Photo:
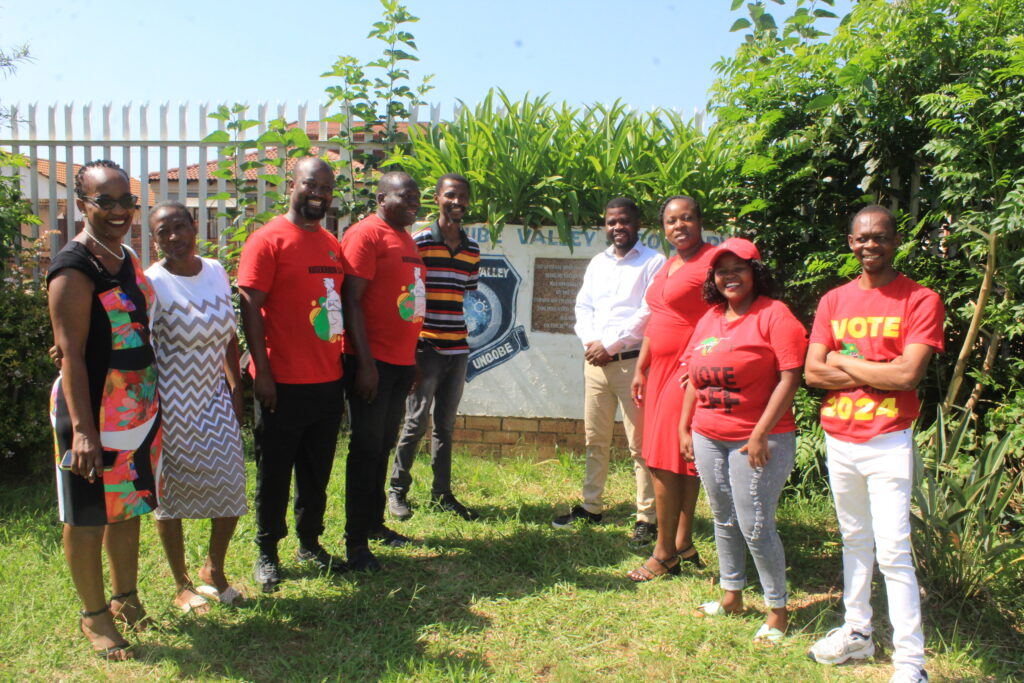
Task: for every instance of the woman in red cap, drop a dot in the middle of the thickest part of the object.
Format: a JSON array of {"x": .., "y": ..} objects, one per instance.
[{"x": 745, "y": 360}]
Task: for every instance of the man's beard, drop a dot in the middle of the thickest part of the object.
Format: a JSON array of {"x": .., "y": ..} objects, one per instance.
[{"x": 311, "y": 214}]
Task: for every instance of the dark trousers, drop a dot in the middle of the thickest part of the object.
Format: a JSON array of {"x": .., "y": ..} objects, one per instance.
[
  {"x": 374, "y": 432},
  {"x": 301, "y": 435},
  {"x": 442, "y": 379}
]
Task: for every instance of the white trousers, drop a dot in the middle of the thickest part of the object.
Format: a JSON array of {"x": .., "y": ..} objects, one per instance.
[{"x": 871, "y": 485}]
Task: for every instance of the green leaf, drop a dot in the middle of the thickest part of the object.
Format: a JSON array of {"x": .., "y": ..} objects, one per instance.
[
  {"x": 218, "y": 136},
  {"x": 756, "y": 205},
  {"x": 820, "y": 102},
  {"x": 739, "y": 25},
  {"x": 736, "y": 4}
]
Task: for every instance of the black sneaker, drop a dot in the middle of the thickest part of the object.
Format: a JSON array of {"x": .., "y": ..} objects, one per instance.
[
  {"x": 391, "y": 539},
  {"x": 447, "y": 502},
  {"x": 362, "y": 560},
  {"x": 267, "y": 571},
  {"x": 644, "y": 533},
  {"x": 398, "y": 506},
  {"x": 315, "y": 555},
  {"x": 577, "y": 513}
]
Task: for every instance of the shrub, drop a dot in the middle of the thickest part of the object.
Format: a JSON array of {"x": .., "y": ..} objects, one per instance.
[
  {"x": 25, "y": 435},
  {"x": 964, "y": 542}
]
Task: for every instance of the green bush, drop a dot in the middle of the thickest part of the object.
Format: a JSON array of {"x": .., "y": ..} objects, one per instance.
[
  {"x": 965, "y": 543},
  {"x": 25, "y": 435}
]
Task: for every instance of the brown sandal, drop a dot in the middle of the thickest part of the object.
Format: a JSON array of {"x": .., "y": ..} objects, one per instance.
[{"x": 642, "y": 574}]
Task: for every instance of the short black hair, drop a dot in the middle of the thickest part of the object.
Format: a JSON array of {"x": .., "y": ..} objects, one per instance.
[
  {"x": 764, "y": 284},
  {"x": 627, "y": 203},
  {"x": 453, "y": 176},
  {"x": 171, "y": 205},
  {"x": 97, "y": 163},
  {"x": 393, "y": 181},
  {"x": 888, "y": 216},
  {"x": 664, "y": 205}
]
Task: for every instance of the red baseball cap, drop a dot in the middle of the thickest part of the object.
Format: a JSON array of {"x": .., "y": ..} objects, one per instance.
[{"x": 744, "y": 249}]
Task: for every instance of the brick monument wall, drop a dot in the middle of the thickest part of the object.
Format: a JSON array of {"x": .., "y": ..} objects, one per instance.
[{"x": 526, "y": 436}]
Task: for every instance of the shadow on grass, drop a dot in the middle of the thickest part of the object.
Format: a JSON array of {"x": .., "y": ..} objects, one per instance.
[{"x": 367, "y": 626}]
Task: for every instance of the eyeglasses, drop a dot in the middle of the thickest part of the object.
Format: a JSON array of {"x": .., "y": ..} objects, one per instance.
[{"x": 125, "y": 201}]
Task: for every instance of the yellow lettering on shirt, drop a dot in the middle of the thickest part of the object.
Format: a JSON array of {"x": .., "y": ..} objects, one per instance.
[{"x": 860, "y": 327}]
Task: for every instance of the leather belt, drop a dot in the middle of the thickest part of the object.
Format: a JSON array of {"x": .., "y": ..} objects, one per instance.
[{"x": 625, "y": 355}]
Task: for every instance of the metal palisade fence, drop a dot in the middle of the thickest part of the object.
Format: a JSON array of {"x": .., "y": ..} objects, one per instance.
[{"x": 179, "y": 162}]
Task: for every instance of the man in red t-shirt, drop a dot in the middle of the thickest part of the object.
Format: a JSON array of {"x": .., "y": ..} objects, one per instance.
[
  {"x": 870, "y": 345},
  {"x": 385, "y": 300},
  {"x": 290, "y": 278}
]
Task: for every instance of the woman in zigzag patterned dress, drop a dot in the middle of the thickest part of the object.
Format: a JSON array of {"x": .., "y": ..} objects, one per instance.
[{"x": 203, "y": 473}]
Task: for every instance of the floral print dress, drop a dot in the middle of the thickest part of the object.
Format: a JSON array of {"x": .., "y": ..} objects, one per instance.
[{"x": 121, "y": 373}]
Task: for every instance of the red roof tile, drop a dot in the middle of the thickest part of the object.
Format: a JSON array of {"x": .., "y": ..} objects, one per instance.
[
  {"x": 66, "y": 179},
  {"x": 192, "y": 170}
]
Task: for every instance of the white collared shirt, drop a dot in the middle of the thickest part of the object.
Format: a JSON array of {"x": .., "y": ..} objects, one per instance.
[{"x": 610, "y": 306}]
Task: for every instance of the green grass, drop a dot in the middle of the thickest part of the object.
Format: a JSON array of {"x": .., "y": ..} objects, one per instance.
[{"x": 507, "y": 598}]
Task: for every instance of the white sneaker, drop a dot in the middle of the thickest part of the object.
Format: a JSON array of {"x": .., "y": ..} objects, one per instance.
[
  {"x": 839, "y": 646},
  {"x": 909, "y": 674}
]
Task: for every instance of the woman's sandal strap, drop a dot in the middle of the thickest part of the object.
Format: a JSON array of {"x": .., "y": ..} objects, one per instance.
[
  {"x": 120, "y": 597},
  {"x": 83, "y": 613}
]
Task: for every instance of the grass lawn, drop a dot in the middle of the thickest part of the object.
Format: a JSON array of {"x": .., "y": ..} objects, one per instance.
[{"x": 506, "y": 598}]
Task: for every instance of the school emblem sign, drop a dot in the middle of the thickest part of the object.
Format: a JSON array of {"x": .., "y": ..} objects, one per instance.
[{"x": 491, "y": 316}]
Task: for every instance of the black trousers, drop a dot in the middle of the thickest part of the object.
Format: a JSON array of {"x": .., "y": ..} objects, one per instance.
[
  {"x": 374, "y": 433},
  {"x": 301, "y": 435}
]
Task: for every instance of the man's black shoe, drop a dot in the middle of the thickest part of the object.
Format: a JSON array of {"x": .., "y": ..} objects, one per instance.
[
  {"x": 267, "y": 571},
  {"x": 316, "y": 556},
  {"x": 644, "y": 533},
  {"x": 577, "y": 513},
  {"x": 362, "y": 560},
  {"x": 447, "y": 502},
  {"x": 398, "y": 506},
  {"x": 391, "y": 539}
]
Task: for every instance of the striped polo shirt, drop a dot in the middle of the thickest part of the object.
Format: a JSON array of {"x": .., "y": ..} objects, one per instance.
[{"x": 449, "y": 276}]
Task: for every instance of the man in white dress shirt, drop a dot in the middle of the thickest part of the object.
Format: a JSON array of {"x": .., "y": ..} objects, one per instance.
[{"x": 610, "y": 318}]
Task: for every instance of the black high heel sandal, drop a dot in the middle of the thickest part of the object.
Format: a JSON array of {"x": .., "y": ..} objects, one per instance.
[
  {"x": 694, "y": 559},
  {"x": 141, "y": 621},
  {"x": 115, "y": 653}
]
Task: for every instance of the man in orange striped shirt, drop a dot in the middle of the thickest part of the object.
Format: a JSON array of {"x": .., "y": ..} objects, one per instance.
[{"x": 452, "y": 261}]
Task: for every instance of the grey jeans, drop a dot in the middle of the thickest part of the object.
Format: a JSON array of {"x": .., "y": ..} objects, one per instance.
[
  {"x": 442, "y": 379},
  {"x": 743, "y": 500}
]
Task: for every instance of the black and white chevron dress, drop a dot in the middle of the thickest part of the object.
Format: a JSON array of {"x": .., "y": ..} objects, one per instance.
[{"x": 203, "y": 473}]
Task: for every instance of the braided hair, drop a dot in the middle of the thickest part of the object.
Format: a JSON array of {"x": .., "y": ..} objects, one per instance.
[
  {"x": 664, "y": 205},
  {"x": 96, "y": 163}
]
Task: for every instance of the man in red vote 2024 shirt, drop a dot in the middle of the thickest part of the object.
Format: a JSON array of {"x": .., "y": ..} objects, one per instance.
[
  {"x": 290, "y": 278},
  {"x": 870, "y": 346},
  {"x": 385, "y": 300}
]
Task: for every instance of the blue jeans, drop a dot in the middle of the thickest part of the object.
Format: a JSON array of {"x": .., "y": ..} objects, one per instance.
[
  {"x": 442, "y": 379},
  {"x": 743, "y": 500}
]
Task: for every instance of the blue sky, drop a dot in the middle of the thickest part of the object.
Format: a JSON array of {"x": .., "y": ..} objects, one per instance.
[{"x": 648, "y": 53}]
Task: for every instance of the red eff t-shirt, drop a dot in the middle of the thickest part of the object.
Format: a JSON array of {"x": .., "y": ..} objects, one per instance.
[
  {"x": 876, "y": 325},
  {"x": 301, "y": 273},
  {"x": 395, "y": 299},
  {"x": 734, "y": 366}
]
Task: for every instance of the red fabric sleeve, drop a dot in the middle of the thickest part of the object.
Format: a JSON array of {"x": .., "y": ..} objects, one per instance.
[
  {"x": 787, "y": 338},
  {"x": 257, "y": 265},
  {"x": 926, "y": 320},
  {"x": 359, "y": 252}
]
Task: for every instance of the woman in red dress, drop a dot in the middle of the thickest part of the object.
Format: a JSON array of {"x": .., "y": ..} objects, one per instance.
[{"x": 676, "y": 300}]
